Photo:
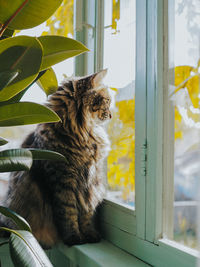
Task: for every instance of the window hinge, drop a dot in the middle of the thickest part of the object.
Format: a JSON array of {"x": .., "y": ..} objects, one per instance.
[{"x": 144, "y": 158}]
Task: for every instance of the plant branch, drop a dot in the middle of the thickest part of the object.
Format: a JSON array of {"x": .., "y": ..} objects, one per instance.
[{"x": 5, "y": 25}]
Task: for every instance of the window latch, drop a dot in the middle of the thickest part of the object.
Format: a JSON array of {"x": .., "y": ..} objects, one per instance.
[{"x": 144, "y": 159}]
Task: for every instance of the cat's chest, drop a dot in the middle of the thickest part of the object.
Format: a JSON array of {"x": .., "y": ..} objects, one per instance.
[{"x": 102, "y": 146}]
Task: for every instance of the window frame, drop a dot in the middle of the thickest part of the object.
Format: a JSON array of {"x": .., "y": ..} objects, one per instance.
[{"x": 141, "y": 232}]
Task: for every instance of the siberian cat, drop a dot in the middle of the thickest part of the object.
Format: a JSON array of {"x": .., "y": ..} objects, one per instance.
[{"x": 59, "y": 199}]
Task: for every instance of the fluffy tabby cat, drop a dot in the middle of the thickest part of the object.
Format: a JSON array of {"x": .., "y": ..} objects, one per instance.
[{"x": 59, "y": 199}]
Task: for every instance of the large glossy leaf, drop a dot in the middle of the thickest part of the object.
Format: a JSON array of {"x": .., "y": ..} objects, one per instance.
[
  {"x": 23, "y": 113},
  {"x": 39, "y": 154},
  {"x": 15, "y": 160},
  {"x": 6, "y": 77},
  {"x": 48, "y": 82},
  {"x": 18, "y": 97},
  {"x": 3, "y": 243},
  {"x": 7, "y": 33},
  {"x": 3, "y": 141},
  {"x": 33, "y": 13},
  {"x": 25, "y": 250},
  {"x": 20, "y": 54},
  {"x": 59, "y": 48},
  {"x": 20, "y": 222}
]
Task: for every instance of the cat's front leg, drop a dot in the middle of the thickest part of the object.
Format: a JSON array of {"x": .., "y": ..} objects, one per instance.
[
  {"x": 88, "y": 228},
  {"x": 66, "y": 218}
]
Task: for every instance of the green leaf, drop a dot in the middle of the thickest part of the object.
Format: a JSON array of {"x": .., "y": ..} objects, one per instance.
[
  {"x": 3, "y": 243},
  {"x": 20, "y": 222},
  {"x": 15, "y": 160},
  {"x": 24, "y": 113},
  {"x": 18, "y": 97},
  {"x": 7, "y": 33},
  {"x": 33, "y": 13},
  {"x": 25, "y": 250},
  {"x": 59, "y": 48},
  {"x": 3, "y": 141},
  {"x": 48, "y": 82},
  {"x": 7, "y": 77},
  {"x": 39, "y": 154},
  {"x": 20, "y": 54}
]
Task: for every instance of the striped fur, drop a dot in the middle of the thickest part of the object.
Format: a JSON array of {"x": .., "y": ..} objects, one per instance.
[{"x": 59, "y": 199}]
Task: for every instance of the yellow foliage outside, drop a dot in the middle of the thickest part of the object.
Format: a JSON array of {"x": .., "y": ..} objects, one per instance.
[
  {"x": 121, "y": 160},
  {"x": 115, "y": 14},
  {"x": 61, "y": 23},
  {"x": 187, "y": 77},
  {"x": 177, "y": 132}
]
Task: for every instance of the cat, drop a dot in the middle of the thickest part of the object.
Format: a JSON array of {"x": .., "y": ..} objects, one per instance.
[{"x": 59, "y": 199}]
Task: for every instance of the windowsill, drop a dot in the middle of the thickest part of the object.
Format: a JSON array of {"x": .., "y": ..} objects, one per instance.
[
  {"x": 88, "y": 255},
  {"x": 105, "y": 254},
  {"x": 116, "y": 203},
  {"x": 100, "y": 254},
  {"x": 116, "y": 198}
]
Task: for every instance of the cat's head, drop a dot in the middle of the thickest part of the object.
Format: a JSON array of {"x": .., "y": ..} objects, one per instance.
[
  {"x": 93, "y": 96},
  {"x": 83, "y": 98}
]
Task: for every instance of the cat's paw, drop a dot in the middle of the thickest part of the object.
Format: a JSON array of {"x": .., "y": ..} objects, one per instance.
[
  {"x": 73, "y": 240},
  {"x": 92, "y": 237},
  {"x": 45, "y": 246}
]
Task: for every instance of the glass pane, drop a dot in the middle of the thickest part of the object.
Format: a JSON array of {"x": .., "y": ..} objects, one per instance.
[
  {"x": 119, "y": 58},
  {"x": 187, "y": 119},
  {"x": 59, "y": 24}
]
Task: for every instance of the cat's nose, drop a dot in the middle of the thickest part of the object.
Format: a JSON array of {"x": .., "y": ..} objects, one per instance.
[{"x": 110, "y": 115}]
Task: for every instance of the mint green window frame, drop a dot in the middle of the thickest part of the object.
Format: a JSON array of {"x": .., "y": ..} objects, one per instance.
[{"x": 141, "y": 232}]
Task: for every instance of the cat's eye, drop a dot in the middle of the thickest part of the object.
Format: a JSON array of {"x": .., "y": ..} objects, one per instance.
[{"x": 108, "y": 100}]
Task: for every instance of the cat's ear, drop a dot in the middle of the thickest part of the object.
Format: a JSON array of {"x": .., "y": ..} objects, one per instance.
[
  {"x": 97, "y": 78},
  {"x": 83, "y": 84}
]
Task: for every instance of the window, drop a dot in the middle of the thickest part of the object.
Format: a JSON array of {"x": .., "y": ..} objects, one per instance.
[
  {"x": 105, "y": 35},
  {"x": 148, "y": 231}
]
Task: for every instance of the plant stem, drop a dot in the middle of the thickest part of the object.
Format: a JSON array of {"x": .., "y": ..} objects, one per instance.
[{"x": 5, "y": 25}]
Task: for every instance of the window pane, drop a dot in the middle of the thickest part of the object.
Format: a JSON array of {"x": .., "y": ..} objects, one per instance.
[
  {"x": 187, "y": 119},
  {"x": 119, "y": 58}
]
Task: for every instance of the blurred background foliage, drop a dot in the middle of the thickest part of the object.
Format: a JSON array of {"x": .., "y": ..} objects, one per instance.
[
  {"x": 115, "y": 15},
  {"x": 61, "y": 23},
  {"x": 187, "y": 77},
  {"x": 121, "y": 160}
]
